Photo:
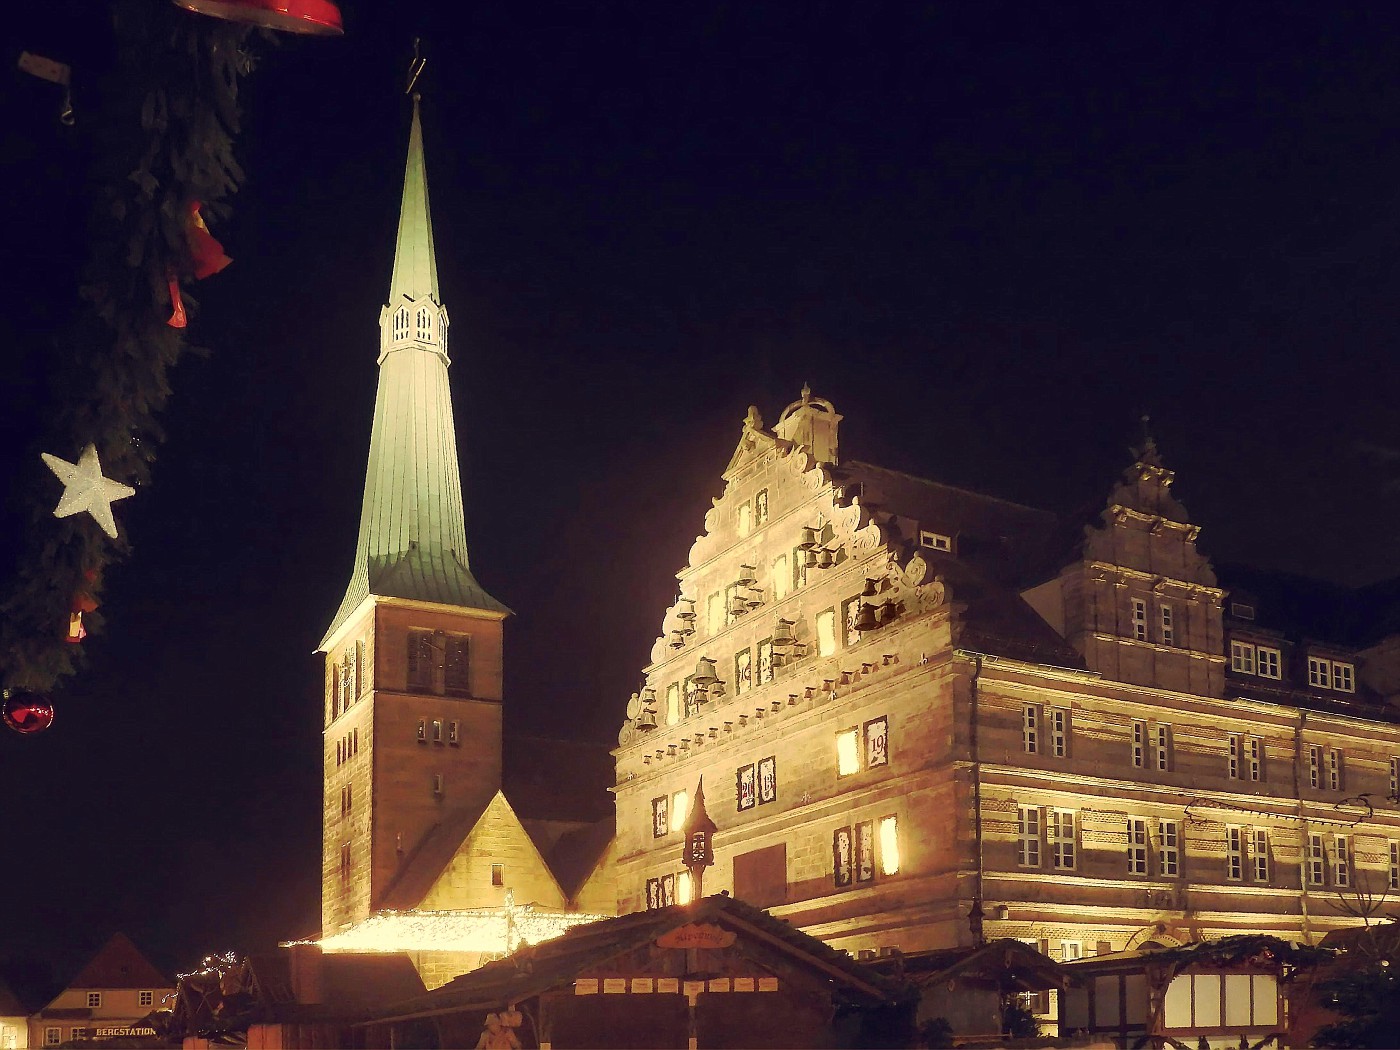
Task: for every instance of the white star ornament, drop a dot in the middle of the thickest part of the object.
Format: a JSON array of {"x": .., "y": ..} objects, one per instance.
[{"x": 85, "y": 489}]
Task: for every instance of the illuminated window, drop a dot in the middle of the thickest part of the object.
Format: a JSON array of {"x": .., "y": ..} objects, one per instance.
[
  {"x": 94, "y": 1000},
  {"x": 680, "y": 807},
  {"x": 1234, "y": 853},
  {"x": 1269, "y": 662},
  {"x": 1166, "y": 628},
  {"x": 1139, "y": 744},
  {"x": 1163, "y": 750},
  {"x": 1137, "y": 846},
  {"x": 760, "y": 508},
  {"x": 1139, "y": 619},
  {"x": 1030, "y": 729},
  {"x": 498, "y": 874},
  {"x": 1341, "y": 861},
  {"x": 714, "y": 613},
  {"x": 889, "y": 846},
  {"x": 1169, "y": 848},
  {"x": 1059, "y": 732},
  {"x": 660, "y": 816},
  {"x": 782, "y": 582},
  {"x": 1334, "y": 768},
  {"x": 1242, "y": 657},
  {"x": 682, "y": 887},
  {"x": 1260, "y": 854},
  {"x": 1028, "y": 836},
  {"x": 1316, "y": 860},
  {"x": 1060, "y": 834},
  {"x": 145, "y": 998},
  {"x": 847, "y": 752},
  {"x": 673, "y": 703},
  {"x": 1394, "y": 882},
  {"x": 826, "y": 632},
  {"x": 745, "y": 518},
  {"x": 1319, "y": 672}
]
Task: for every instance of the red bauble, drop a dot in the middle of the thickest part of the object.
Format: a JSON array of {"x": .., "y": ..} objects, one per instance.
[
  {"x": 26, "y": 712},
  {"x": 316, "y": 17}
]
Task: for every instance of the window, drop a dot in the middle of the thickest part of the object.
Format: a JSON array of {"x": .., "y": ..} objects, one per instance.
[
  {"x": 1163, "y": 749},
  {"x": 1344, "y": 677},
  {"x": 455, "y": 665},
  {"x": 682, "y": 887},
  {"x": 420, "y": 660},
  {"x": 765, "y": 661},
  {"x": 1137, "y": 846},
  {"x": 52, "y": 1036},
  {"x": 743, "y": 671},
  {"x": 1254, "y": 758},
  {"x": 1139, "y": 744},
  {"x": 745, "y": 521},
  {"x": 660, "y": 816},
  {"x": 1319, "y": 672},
  {"x": 1242, "y": 657},
  {"x": 935, "y": 541},
  {"x": 439, "y": 785},
  {"x": 1028, "y": 836},
  {"x": 782, "y": 582},
  {"x": 453, "y": 733},
  {"x": 345, "y": 863},
  {"x": 1260, "y": 854},
  {"x": 1395, "y": 779},
  {"x": 1269, "y": 662},
  {"x": 1246, "y": 757},
  {"x": 680, "y": 809},
  {"x": 864, "y": 858},
  {"x": 889, "y": 846},
  {"x": 673, "y": 703},
  {"x": 437, "y": 731},
  {"x": 826, "y": 632},
  {"x": 498, "y": 874},
  {"x": 79, "y": 1032},
  {"x": 850, "y": 613},
  {"x": 1139, "y": 619},
  {"x": 760, "y": 508},
  {"x": 1394, "y": 882},
  {"x": 1234, "y": 854},
  {"x": 1060, "y": 832},
  {"x": 877, "y": 742},
  {"x": 401, "y": 323},
  {"x": 745, "y": 787},
  {"x": 1315, "y": 860},
  {"x": 94, "y": 1000},
  {"x": 1240, "y": 611},
  {"x": 1236, "y": 755},
  {"x": 422, "y": 730},
  {"x": 1166, "y": 627},
  {"x": 145, "y": 998},
  {"x": 1314, "y": 766},
  {"x": 1071, "y": 950},
  {"x": 1341, "y": 861},
  {"x": 1169, "y": 851},
  {"x": 1059, "y": 732},
  {"x": 847, "y": 752},
  {"x": 668, "y": 890},
  {"x": 424, "y": 324},
  {"x": 714, "y": 613},
  {"x": 1030, "y": 729},
  {"x": 1334, "y": 768},
  {"x": 799, "y": 569}
]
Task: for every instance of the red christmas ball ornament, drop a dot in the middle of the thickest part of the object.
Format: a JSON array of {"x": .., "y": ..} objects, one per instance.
[{"x": 25, "y": 712}]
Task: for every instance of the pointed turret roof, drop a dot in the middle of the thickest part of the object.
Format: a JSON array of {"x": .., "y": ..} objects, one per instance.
[{"x": 413, "y": 539}]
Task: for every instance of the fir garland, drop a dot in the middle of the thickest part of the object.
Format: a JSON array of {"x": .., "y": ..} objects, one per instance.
[{"x": 163, "y": 137}]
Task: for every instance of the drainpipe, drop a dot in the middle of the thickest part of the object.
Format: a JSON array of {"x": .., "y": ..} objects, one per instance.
[
  {"x": 1302, "y": 821},
  {"x": 975, "y": 916}
]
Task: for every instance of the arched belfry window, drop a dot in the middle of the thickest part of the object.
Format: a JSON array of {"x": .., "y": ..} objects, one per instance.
[
  {"x": 425, "y": 323},
  {"x": 401, "y": 323}
]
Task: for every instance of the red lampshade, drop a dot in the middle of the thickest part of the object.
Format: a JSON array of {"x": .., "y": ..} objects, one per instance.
[{"x": 318, "y": 17}]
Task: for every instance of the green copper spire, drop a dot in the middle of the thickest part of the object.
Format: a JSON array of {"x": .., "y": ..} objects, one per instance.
[
  {"x": 415, "y": 265},
  {"x": 413, "y": 537}
]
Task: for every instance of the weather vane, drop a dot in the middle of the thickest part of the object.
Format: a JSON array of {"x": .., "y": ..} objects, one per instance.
[{"x": 415, "y": 67}]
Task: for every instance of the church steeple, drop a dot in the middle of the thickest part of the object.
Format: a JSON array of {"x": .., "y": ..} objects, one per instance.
[{"x": 412, "y": 542}]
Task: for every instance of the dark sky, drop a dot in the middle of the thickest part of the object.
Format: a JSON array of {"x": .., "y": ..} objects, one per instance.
[{"x": 993, "y": 234}]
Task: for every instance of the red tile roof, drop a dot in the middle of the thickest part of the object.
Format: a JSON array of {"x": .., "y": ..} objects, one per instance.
[{"x": 120, "y": 964}]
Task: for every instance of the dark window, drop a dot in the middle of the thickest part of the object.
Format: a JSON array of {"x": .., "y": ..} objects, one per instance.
[
  {"x": 420, "y": 660},
  {"x": 498, "y": 874},
  {"x": 841, "y": 857},
  {"x": 455, "y": 674}
]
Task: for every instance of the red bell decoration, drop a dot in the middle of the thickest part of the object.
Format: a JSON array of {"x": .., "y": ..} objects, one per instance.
[
  {"x": 177, "y": 317},
  {"x": 206, "y": 252},
  {"x": 25, "y": 712},
  {"x": 314, "y": 17}
]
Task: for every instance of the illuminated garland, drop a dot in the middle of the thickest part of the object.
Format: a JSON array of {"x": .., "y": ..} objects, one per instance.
[{"x": 498, "y": 930}]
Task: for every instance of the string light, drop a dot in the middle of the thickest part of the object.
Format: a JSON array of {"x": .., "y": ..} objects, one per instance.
[{"x": 498, "y": 930}]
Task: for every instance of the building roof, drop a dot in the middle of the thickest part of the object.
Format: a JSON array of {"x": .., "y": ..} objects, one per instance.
[
  {"x": 427, "y": 860},
  {"x": 413, "y": 539},
  {"x": 553, "y": 964},
  {"x": 1006, "y": 962},
  {"x": 576, "y": 853},
  {"x": 119, "y": 964},
  {"x": 10, "y": 1005}
]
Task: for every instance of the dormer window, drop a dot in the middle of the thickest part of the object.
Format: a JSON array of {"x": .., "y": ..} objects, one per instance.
[
  {"x": 935, "y": 541},
  {"x": 401, "y": 323}
]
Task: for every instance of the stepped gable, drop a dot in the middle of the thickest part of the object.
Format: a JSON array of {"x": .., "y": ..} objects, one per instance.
[{"x": 119, "y": 964}]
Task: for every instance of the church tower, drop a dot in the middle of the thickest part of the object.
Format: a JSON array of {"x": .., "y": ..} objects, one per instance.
[{"x": 413, "y": 655}]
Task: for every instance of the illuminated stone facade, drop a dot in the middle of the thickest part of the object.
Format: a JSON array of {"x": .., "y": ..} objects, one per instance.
[{"x": 930, "y": 704}]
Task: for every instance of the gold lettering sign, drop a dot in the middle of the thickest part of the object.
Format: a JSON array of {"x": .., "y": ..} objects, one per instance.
[
  {"x": 696, "y": 935},
  {"x": 668, "y": 984},
  {"x": 767, "y": 984},
  {"x": 743, "y": 984},
  {"x": 586, "y": 986},
  {"x": 642, "y": 984},
  {"x": 614, "y": 985},
  {"x": 719, "y": 984}
]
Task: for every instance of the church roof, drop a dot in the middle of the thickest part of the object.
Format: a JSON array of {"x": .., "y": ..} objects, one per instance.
[
  {"x": 119, "y": 964},
  {"x": 413, "y": 538}
]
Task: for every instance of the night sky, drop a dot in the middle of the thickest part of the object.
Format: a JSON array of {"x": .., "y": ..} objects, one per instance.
[{"x": 993, "y": 234}]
